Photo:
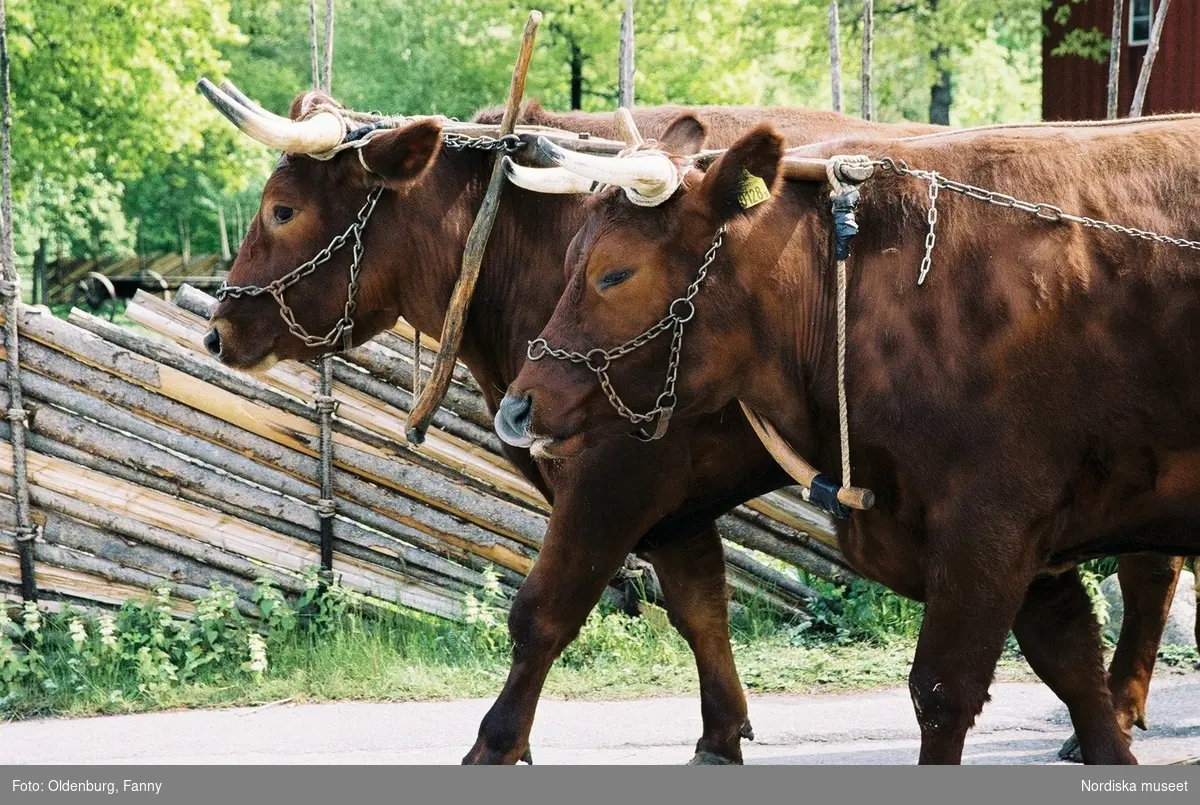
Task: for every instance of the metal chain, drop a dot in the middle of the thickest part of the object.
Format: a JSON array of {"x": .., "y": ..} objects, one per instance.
[
  {"x": 343, "y": 330},
  {"x": 509, "y": 143},
  {"x": 931, "y": 236},
  {"x": 679, "y": 313},
  {"x": 1044, "y": 211}
]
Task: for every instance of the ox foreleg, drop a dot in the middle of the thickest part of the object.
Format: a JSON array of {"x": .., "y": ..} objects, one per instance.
[
  {"x": 692, "y": 575},
  {"x": 599, "y": 515},
  {"x": 564, "y": 585},
  {"x": 1060, "y": 638}
]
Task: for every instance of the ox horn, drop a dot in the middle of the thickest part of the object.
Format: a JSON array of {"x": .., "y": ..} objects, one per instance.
[
  {"x": 555, "y": 181},
  {"x": 319, "y": 133},
  {"x": 649, "y": 177}
]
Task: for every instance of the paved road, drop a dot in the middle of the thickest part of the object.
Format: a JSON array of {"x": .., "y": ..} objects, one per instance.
[{"x": 1024, "y": 723}]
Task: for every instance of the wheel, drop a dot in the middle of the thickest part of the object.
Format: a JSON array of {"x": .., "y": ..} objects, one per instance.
[{"x": 96, "y": 294}]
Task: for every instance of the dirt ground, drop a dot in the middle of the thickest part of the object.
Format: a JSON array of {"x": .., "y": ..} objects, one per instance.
[{"x": 1023, "y": 723}]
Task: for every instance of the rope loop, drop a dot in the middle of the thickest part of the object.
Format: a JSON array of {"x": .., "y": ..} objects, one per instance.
[
  {"x": 15, "y": 415},
  {"x": 29, "y": 533},
  {"x": 326, "y": 508},
  {"x": 325, "y": 403},
  {"x": 8, "y": 289}
]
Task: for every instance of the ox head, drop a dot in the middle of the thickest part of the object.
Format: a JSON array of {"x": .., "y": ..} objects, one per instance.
[
  {"x": 307, "y": 203},
  {"x": 637, "y": 253}
]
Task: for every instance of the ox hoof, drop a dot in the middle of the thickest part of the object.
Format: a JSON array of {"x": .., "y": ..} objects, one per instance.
[
  {"x": 527, "y": 757},
  {"x": 1070, "y": 750},
  {"x": 747, "y": 731},
  {"x": 711, "y": 759}
]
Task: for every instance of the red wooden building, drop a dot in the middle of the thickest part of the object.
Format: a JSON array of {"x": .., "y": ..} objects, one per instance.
[{"x": 1076, "y": 88}]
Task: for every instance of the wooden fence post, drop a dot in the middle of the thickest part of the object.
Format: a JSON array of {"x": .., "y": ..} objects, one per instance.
[
  {"x": 835, "y": 56},
  {"x": 868, "y": 46},
  {"x": 10, "y": 290},
  {"x": 1143, "y": 83},
  {"x": 1114, "y": 59},
  {"x": 625, "y": 76}
]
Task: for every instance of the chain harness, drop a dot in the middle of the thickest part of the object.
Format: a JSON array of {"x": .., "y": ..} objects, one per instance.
[
  {"x": 343, "y": 331},
  {"x": 1044, "y": 211},
  {"x": 598, "y": 360}
]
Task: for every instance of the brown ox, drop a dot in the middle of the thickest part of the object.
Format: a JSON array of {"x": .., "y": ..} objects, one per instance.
[
  {"x": 412, "y": 252},
  {"x": 1035, "y": 403}
]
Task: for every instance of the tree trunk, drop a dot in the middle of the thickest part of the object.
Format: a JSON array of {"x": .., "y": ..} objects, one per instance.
[
  {"x": 625, "y": 58},
  {"x": 835, "y": 56},
  {"x": 39, "y": 274},
  {"x": 239, "y": 224},
  {"x": 868, "y": 34},
  {"x": 941, "y": 94},
  {"x": 576, "y": 76},
  {"x": 225, "y": 253},
  {"x": 185, "y": 242}
]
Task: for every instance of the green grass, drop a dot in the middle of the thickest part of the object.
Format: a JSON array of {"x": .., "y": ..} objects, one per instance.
[{"x": 323, "y": 649}]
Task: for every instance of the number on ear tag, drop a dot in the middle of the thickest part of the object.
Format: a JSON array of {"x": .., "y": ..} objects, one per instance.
[{"x": 753, "y": 190}]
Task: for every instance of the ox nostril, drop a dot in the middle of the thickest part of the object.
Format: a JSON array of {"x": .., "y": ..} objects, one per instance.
[
  {"x": 518, "y": 411},
  {"x": 212, "y": 342},
  {"x": 514, "y": 419}
]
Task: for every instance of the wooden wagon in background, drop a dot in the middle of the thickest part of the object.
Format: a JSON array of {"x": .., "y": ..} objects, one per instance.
[{"x": 100, "y": 286}]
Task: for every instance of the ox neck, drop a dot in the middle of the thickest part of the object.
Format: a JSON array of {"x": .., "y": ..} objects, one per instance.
[
  {"x": 790, "y": 310},
  {"x": 522, "y": 275}
]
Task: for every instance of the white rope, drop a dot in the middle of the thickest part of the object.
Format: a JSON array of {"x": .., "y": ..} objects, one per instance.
[
  {"x": 833, "y": 171},
  {"x": 843, "y": 412}
]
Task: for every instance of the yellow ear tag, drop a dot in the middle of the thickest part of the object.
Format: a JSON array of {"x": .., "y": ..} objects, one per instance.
[{"x": 753, "y": 190}]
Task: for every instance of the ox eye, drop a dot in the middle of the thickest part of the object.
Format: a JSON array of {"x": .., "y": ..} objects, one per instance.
[
  {"x": 283, "y": 213},
  {"x": 615, "y": 277}
]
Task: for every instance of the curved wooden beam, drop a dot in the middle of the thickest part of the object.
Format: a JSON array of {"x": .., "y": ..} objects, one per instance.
[{"x": 853, "y": 496}]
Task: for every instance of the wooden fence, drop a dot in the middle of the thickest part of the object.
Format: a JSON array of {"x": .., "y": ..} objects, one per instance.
[
  {"x": 152, "y": 463},
  {"x": 61, "y": 276}
]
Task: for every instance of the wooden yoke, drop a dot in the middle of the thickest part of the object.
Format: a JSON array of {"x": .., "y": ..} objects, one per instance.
[
  {"x": 460, "y": 301},
  {"x": 853, "y": 496}
]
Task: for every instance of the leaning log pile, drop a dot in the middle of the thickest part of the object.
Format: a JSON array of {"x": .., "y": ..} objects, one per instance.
[{"x": 151, "y": 463}]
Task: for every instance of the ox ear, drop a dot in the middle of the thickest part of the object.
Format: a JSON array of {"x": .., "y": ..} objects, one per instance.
[
  {"x": 401, "y": 155},
  {"x": 744, "y": 176},
  {"x": 685, "y": 136}
]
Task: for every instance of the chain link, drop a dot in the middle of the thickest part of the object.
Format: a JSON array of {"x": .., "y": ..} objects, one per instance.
[
  {"x": 509, "y": 143},
  {"x": 599, "y": 360},
  {"x": 931, "y": 235},
  {"x": 1042, "y": 210}
]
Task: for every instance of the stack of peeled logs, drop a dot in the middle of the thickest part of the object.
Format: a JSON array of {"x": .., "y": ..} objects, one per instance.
[{"x": 151, "y": 463}]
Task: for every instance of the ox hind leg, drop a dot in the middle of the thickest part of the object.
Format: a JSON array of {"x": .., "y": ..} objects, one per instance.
[
  {"x": 1147, "y": 587},
  {"x": 692, "y": 575},
  {"x": 1196, "y": 585},
  {"x": 972, "y": 597},
  {"x": 1060, "y": 638}
]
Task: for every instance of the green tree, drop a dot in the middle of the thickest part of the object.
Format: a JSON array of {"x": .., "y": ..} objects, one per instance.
[{"x": 103, "y": 97}]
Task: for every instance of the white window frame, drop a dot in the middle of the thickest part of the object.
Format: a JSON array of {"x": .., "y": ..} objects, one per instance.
[{"x": 1149, "y": 25}]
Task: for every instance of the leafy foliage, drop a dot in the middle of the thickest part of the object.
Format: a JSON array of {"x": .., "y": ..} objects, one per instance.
[
  {"x": 103, "y": 101},
  {"x": 116, "y": 152}
]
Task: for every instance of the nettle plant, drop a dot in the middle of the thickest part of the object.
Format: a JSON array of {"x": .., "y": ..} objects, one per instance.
[{"x": 143, "y": 650}]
